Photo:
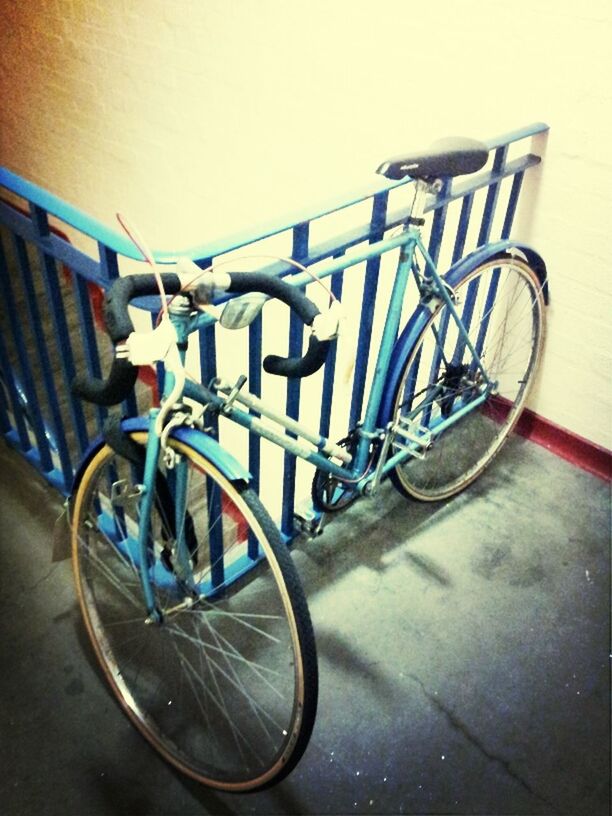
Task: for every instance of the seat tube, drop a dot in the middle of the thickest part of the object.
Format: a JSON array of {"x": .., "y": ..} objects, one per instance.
[
  {"x": 417, "y": 211},
  {"x": 386, "y": 346},
  {"x": 413, "y": 228}
]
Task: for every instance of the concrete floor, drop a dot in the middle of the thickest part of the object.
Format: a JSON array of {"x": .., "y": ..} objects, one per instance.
[{"x": 464, "y": 655}]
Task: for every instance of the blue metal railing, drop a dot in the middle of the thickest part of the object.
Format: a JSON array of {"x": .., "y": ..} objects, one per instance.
[{"x": 42, "y": 348}]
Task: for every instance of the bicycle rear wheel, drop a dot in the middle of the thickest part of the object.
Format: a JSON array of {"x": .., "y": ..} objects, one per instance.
[
  {"x": 502, "y": 308},
  {"x": 225, "y": 687}
]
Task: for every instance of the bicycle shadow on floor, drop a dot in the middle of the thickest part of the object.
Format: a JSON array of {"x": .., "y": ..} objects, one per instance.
[
  {"x": 372, "y": 531},
  {"x": 359, "y": 547},
  {"x": 367, "y": 534}
]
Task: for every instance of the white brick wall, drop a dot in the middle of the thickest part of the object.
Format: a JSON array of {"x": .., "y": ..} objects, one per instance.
[{"x": 197, "y": 117}]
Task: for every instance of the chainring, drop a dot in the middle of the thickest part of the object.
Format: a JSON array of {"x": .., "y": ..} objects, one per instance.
[{"x": 330, "y": 494}]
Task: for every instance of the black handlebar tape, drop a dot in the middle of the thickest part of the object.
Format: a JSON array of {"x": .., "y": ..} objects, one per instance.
[
  {"x": 276, "y": 288},
  {"x": 292, "y": 367},
  {"x": 116, "y": 316},
  {"x": 117, "y": 387},
  {"x": 122, "y": 377}
]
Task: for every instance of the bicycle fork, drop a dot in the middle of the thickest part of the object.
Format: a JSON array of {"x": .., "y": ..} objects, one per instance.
[{"x": 180, "y": 565}]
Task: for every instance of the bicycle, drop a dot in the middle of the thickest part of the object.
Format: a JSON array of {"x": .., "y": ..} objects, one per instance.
[{"x": 189, "y": 595}]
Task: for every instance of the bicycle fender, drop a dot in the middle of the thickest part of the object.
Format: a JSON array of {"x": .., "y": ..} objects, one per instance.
[
  {"x": 201, "y": 442},
  {"x": 211, "y": 450},
  {"x": 502, "y": 250}
]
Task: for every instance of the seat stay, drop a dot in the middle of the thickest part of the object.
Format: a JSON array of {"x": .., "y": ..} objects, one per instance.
[{"x": 443, "y": 291}]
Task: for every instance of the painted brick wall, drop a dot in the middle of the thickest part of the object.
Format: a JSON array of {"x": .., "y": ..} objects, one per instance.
[{"x": 198, "y": 117}]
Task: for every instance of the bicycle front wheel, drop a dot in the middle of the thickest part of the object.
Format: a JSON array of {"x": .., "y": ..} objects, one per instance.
[
  {"x": 224, "y": 686},
  {"x": 502, "y": 308}
]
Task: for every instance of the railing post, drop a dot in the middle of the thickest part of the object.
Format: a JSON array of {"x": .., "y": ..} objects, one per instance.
[
  {"x": 368, "y": 303},
  {"x": 299, "y": 252},
  {"x": 35, "y": 417}
]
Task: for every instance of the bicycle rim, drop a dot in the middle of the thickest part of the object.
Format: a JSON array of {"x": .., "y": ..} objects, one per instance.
[
  {"x": 226, "y": 688},
  {"x": 501, "y": 305}
]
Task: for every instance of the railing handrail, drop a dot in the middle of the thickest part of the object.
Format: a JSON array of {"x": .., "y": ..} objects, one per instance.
[{"x": 120, "y": 244}]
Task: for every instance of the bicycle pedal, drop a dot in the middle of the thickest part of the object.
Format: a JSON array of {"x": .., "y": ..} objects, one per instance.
[
  {"x": 311, "y": 527},
  {"x": 414, "y": 434}
]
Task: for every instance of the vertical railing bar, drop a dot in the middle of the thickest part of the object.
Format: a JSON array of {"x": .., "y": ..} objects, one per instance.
[
  {"x": 109, "y": 268},
  {"x": 494, "y": 284},
  {"x": 437, "y": 359},
  {"x": 255, "y": 354},
  {"x": 28, "y": 386},
  {"x": 438, "y": 223},
  {"x": 517, "y": 182},
  {"x": 490, "y": 299},
  {"x": 462, "y": 227},
  {"x": 299, "y": 252},
  {"x": 40, "y": 341},
  {"x": 459, "y": 245},
  {"x": 214, "y": 505},
  {"x": 368, "y": 305},
  {"x": 486, "y": 224},
  {"x": 40, "y": 221},
  {"x": 492, "y": 195},
  {"x": 158, "y": 369},
  {"x": 458, "y": 249},
  {"x": 435, "y": 244},
  {"x": 208, "y": 351},
  {"x": 129, "y": 406},
  {"x": 207, "y": 347},
  {"x": 13, "y": 395},
  {"x": 329, "y": 372},
  {"x": 5, "y": 423},
  {"x": 109, "y": 264},
  {"x": 62, "y": 335},
  {"x": 88, "y": 335},
  {"x": 416, "y": 363}
]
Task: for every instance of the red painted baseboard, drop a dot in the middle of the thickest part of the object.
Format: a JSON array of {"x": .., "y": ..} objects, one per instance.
[{"x": 575, "y": 449}]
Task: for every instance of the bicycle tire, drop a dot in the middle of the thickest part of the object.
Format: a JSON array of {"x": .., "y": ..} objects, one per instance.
[
  {"x": 501, "y": 301},
  {"x": 225, "y": 690}
]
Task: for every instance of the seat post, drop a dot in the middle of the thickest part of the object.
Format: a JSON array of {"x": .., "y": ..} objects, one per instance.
[{"x": 422, "y": 188}]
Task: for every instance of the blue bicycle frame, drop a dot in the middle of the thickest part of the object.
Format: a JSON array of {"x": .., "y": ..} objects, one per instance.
[
  {"x": 431, "y": 286},
  {"x": 364, "y": 468}
]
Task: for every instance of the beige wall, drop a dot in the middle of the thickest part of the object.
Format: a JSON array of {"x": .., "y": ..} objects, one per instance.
[{"x": 196, "y": 117}]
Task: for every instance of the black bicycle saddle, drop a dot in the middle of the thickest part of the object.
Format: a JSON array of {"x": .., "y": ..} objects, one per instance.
[{"x": 445, "y": 158}]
